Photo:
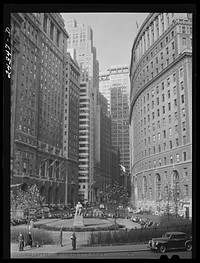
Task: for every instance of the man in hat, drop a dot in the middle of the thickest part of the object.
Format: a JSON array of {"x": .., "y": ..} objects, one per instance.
[{"x": 21, "y": 242}]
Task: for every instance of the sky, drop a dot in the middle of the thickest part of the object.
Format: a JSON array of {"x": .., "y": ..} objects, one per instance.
[{"x": 113, "y": 34}]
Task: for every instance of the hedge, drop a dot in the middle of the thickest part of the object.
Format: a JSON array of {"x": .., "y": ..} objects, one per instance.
[
  {"x": 82, "y": 229},
  {"x": 134, "y": 235},
  {"x": 38, "y": 235}
]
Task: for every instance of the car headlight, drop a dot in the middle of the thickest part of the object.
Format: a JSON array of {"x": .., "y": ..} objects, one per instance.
[{"x": 156, "y": 243}]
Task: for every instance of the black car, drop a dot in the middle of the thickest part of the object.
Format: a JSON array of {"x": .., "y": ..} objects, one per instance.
[{"x": 171, "y": 240}]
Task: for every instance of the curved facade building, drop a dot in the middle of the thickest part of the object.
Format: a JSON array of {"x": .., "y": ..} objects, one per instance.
[{"x": 161, "y": 114}]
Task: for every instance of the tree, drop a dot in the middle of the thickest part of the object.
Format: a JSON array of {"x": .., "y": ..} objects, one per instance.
[
  {"x": 171, "y": 200},
  {"x": 26, "y": 200},
  {"x": 118, "y": 196}
]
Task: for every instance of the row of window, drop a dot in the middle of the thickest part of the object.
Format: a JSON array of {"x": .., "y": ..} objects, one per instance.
[
  {"x": 158, "y": 63},
  {"x": 144, "y": 181},
  {"x": 141, "y": 152},
  {"x": 166, "y": 83},
  {"x": 148, "y": 39},
  {"x": 54, "y": 32},
  {"x": 159, "y": 162},
  {"x": 30, "y": 30}
]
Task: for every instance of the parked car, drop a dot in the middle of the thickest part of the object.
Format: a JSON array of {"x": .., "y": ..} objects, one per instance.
[{"x": 171, "y": 240}]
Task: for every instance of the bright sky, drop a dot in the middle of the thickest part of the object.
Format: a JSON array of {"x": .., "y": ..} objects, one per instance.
[{"x": 113, "y": 34}]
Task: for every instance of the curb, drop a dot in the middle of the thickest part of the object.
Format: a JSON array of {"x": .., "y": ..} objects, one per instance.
[
  {"x": 117, "y": 244},
  {"x": 76, "y": 252},
  {"x": 99, "y": 252}
]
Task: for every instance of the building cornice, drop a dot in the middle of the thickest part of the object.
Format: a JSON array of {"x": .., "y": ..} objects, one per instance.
[
  {"x": 163, "y": 152},
  {"x": 155, "y": 169}
]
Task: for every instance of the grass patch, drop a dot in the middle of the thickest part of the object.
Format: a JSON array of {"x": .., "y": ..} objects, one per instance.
[{"x": 38, "y": 235}]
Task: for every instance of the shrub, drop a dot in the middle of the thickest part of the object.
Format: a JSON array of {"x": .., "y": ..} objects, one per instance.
[
  {"x": 40, "y": 236},
  {"x": 78, "y": 229},
  {"x": 135, "y": 235},
  {"x": 173, "y": 221}
]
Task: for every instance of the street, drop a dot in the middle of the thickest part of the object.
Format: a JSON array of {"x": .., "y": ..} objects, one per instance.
[{"x": 100, "y": 254}]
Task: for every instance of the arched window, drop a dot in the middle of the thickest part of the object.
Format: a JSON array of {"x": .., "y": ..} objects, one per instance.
[
  {"x": 144, "y": 186},
  {"x": 136, "y": 188},
  {"x": 158, "y": 187},
  {"x": 175, "y": 184}
]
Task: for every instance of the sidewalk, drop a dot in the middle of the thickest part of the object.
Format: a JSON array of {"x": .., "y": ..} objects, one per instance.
[
  {"x": 56, "y": 249},
  {"x": 80, "y": 248}
]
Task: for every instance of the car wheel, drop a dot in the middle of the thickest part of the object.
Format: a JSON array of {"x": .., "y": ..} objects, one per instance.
[
  {"x": 189, "y": 246},
  {"x": 162, "y": 249}
]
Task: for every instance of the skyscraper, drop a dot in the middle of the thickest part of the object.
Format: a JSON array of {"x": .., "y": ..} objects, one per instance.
[
  {"x": 81, "y": 40},
  {"x": 114, "y": 84},
  {"x": 161, "y": 112}
]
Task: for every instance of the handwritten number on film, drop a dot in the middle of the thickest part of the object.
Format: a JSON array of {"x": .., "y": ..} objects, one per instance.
[{"x": 8, "y": 54}]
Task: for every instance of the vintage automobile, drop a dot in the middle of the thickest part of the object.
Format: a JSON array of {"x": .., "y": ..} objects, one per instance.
[{"x": 171, "y": 240}]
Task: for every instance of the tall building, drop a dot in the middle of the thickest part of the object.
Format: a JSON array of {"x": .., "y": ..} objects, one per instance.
[
  {"x": 81, "y": 40},
  {"x": 37, "y": 103},
  {"x": 85, "y": 141},
  {"x": 161, "y": 112},
  {"x": 104, "y": 85},
  {"x": 102, "y": 149},
  {"x": 114, "y": 84},
  {"x": 71, "y": 127}
]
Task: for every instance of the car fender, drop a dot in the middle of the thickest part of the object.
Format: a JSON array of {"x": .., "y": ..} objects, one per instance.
[{"x": 160, "y": 243}]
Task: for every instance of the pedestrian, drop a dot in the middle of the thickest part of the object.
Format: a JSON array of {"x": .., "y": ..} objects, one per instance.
[
  {"x": 73, "y": 238},
  {"x": 21, "y": 242},
  {"x": 61, "y": 234},
  {"x": 30, "y": 241}
]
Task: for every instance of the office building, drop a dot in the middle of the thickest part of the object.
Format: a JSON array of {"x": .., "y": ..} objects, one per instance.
[
  {"x": 102, "y": 149},
  {"x": 71, "y": 127},
  {"x": 114, "y": 84},
  {"x": 104, "y": 85},
  {"x": 81, "y": 40},
  {"x": 37, "y": 104},
  {"x": 161, "y": 112}
]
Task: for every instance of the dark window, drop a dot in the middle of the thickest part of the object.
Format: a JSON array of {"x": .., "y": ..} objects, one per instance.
[
  {"x": 45, "y": 24},
  {"x": 51, "y": 30}
]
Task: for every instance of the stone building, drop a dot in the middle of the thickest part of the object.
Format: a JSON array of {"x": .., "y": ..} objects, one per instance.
[
  {"x": 161, "y": 112},
  {"x": 37, "y": 103},
  {"x": 71, "y": 127}
]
